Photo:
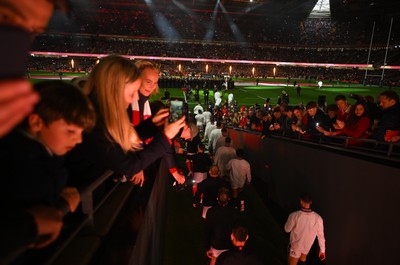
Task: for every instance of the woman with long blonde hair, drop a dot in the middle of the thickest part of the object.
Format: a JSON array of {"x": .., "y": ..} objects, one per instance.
[{"x": 114, "y": 144}]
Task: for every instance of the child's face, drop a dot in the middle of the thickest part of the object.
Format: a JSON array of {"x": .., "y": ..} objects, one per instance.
[
  {"x": 59, "y": 136},
  {"x": 149, "y": 81}
]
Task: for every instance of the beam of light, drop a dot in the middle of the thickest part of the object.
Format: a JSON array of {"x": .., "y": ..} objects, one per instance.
[
  {"x": 234, "y": 28},
  {"x": 253, "y": 7},
  {"x": 183, "y": 8},
  {"x": 163, "y": 26},
  {"x": 211, "y": 27},
  {"x": 183, "y": 59}
]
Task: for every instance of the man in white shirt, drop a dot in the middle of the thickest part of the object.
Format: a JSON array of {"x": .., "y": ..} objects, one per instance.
[
  {"x": 304, "y": 225},
  {"x": 230, "y": 99},
  {"x": 207, "y": 116},
  {"x": 217, "y": 98},
  {"x": 214, "y": 135},
  {"x": 239, "y": 173},
  {"x": 221, "y": 140},
  {"x": 223, "y": 155},
  {"x": 211, "y": 125},
  {"x": 199, "y": 120}
]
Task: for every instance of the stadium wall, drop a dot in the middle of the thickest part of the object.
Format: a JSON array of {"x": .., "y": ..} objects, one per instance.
[{"x": 357, "y": 199}]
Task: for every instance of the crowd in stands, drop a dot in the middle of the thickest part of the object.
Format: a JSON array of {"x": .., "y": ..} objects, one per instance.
[
  {"x": 365, "y": 119},
  {"x": 344, "y": 54},
  {"x": 172, "y": 22},
  {"x": 42, "y": 127},
  {"x": 193, "y": 71}
]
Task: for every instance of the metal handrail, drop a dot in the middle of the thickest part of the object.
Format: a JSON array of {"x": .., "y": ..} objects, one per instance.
[
  {"x": 88, "y": 209},
  {"x": 87, "y": 196},
  {"x": 346, "y": 139}
]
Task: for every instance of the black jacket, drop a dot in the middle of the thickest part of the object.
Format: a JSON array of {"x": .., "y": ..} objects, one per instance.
[
  {"x": 30, "y": 174},
  {"x": 201, "y": 162},
  {"x": 219, "y": 224},
  {"x": 209, "y": 188},
  {"x": 97, "y": 153},
  {"x": 390, "y": 120}
]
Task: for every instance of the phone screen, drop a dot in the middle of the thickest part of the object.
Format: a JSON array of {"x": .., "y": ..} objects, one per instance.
[{"x": 175, "y": 109}]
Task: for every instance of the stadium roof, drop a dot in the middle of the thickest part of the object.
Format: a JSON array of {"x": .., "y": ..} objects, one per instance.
[{"x": 338, "y": 8}]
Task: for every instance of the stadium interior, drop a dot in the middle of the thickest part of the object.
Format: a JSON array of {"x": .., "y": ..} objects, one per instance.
[{"x": 259, "y": 48}]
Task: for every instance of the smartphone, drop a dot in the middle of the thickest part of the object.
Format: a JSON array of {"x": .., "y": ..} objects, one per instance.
[
  {"x": 176, "y": 109},
  {"x": 317, "y": 124}
]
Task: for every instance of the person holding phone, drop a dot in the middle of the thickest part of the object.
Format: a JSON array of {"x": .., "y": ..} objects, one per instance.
[
  {"x": 315, "y": 118},
  {"x": 357, "y": 125},
  {"x": 140, "y": 113},
  {"x": 114, "y": 144}
]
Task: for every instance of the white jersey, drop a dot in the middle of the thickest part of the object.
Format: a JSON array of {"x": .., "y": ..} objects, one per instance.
[
  {"x": 220, "y": 142},
  {"x": 230, "y": 98},
  {"x": 239, "y": 172},
  {"x": 304, "y": 225},
  {"x": 214, "y": 135},
  {"x": 207, "y": 116},
  {"x": 223, "y": 155},
  {"x": 209, "y": 128},
  {"x": 199, "y": 120}
]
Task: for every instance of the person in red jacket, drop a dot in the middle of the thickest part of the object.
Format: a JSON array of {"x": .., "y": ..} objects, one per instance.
[{"x": 357, "y": 126}]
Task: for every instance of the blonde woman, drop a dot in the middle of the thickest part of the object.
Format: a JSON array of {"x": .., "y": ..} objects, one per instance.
[
  {"x": 114, "y": 144},
  {"x": 146, "y": 123}
]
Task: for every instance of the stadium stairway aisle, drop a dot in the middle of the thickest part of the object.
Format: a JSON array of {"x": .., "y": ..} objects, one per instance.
[{"x": 184, "y": 240}]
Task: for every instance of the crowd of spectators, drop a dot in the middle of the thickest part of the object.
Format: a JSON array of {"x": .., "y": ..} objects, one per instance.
[
  {"x": 53, "y": 127},
  {"x": 213, "y": 50},
  {"x": 172, "y": 22},
  {"x": 193, "y": 73},
  {"x": 365, "y": 119}
]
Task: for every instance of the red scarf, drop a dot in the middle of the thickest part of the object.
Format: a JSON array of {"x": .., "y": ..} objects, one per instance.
[{"x": 136, "y": 112}]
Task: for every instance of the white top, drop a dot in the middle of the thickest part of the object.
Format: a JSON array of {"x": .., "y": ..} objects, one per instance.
[
  {"x": 304, "y": 225},
  {"x": 239, "y": 172},
  {"x": 208, "y": 130},
  {"x": 230, "y": 98},
  {"x": 220, "y": 142},
  {"x": 223, "y": 155},
  {"x": 214, "y": 135},
  {"x": 199, "y": 120},
  {"x": 207, "y": 116}
]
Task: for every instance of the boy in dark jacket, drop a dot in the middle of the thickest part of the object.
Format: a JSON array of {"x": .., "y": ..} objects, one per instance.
[{"x": 31, "y": 156}]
